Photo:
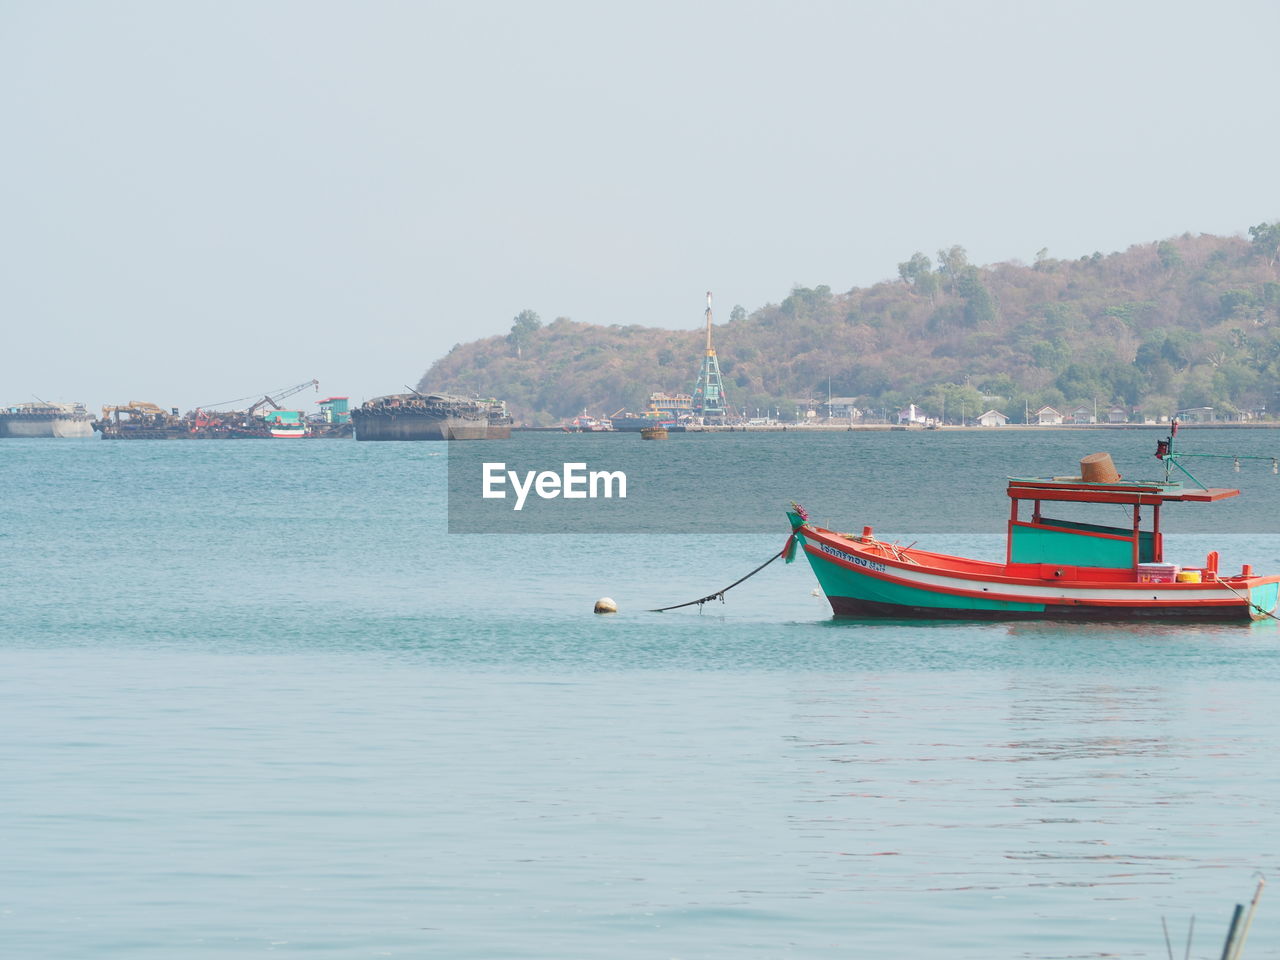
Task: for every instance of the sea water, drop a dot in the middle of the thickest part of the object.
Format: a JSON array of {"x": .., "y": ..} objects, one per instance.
[{"x": 257, "y": 702}]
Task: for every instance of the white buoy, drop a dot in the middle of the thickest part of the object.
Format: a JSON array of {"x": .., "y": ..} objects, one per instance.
[{"x": 606, "y": 605}]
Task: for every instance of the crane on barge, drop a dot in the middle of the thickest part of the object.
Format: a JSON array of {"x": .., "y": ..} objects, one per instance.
[
  {"x": 273, "y": 399},
  {"x": 251, "y": 423}
]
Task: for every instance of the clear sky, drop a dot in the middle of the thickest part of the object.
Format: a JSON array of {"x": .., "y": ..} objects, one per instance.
[{"x": 206, "y": 200}]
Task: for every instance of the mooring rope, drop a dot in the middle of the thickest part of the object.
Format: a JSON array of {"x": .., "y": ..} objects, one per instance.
[
  {"x": 719, "y": 594},
  {"x": 1249, "y": 601}
]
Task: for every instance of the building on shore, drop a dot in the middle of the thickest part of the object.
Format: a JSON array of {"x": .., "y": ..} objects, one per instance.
[
  {"x": 1197, "y": 415},
  {"x": 911, "y": 414},
  {"x": 843, "y": 408}
]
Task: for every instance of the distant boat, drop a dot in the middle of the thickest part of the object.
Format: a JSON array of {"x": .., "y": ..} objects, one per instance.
[
  {"x": 287, "y": 424},
  {"x": 1054, "y": 568},
  {"x": 657, "y": 432},
  {"x": 632, "y": 422},
  {"x": 664, "y": 409},
  {"x": 288, "y": 431},
  {"x": 587, "y": 424}
]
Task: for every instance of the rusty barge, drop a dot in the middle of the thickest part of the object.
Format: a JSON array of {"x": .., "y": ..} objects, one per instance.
[
  {"x": 435, "y": 416},
  {"x": 266, "y": 419}
]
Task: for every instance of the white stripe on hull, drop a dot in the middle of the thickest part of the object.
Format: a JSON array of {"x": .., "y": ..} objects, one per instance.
[{"x": 1034, "y": 593}]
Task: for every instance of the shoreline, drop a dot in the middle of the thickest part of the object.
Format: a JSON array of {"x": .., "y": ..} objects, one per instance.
[{"x": 893, "y": 428}]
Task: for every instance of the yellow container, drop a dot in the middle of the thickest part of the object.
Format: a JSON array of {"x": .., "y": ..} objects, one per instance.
[{"x": 1189, "y": 576}]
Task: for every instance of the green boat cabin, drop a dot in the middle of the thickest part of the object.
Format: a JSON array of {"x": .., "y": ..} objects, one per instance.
[{"x": 1048, "y": 546}]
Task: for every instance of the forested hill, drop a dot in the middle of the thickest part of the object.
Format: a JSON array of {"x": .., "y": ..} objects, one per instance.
[{"x": 1185, "y": 322}]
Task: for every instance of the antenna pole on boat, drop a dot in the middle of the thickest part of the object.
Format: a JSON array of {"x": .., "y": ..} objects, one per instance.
[{"x": 1165, "y": 451}]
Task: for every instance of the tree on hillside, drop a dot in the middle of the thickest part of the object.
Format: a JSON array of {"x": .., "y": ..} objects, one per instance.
[
  {"x": 952, "y": 263},
  {"x": 1266, "y": 241},
  {"x": 918, "y": 271},
  {"x": 954, "y": 402},
  {"x": 1169, "y": 256},
  {"x": 979, "y": 305},
  {"x": 911, "y": 269},
  {"x": 526, "y": 323},
  {"x": 1050, "y": 354}
]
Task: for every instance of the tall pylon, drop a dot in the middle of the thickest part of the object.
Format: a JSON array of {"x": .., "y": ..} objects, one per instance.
[{"x": 708, "y": 394}]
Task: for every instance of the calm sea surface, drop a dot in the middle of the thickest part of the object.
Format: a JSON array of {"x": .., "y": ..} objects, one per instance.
[{"x": 257, "y": 702}]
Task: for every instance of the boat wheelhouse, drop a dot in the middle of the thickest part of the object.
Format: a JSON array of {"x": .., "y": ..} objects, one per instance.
[
  {"x": 286, "y": 424},
  {"x": 1054, "y": 568}
]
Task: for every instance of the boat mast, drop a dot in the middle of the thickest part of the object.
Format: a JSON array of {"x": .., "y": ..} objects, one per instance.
[{"x": 1166, "y": 453}]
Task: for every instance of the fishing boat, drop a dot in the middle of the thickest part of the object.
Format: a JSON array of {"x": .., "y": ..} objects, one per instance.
[
  {"x": 288, "y": 431},
  {"x": 286, "y": 424},
  {"x": 1054, "y": 568}
]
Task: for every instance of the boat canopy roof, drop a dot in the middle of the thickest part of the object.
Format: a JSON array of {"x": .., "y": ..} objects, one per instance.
[{"x": 1073, "y": 489}]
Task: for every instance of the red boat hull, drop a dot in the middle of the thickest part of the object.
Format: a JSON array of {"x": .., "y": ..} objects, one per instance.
[{"x": 871, "y": 578}]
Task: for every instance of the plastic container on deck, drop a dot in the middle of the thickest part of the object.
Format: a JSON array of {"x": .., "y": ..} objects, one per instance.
[
  {"x": 1188, "y": 576},
  {"x": 1157, "y": 572}
]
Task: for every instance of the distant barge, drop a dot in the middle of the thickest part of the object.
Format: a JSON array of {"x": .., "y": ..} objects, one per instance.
[
  {"x": 436, "y": 416},
  {"x": 60, "y": 420},
  {"x": 139, "y": 420}
]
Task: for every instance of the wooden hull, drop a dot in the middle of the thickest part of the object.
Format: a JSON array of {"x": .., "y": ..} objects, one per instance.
[
  {"x": 869, "y": 578},
  {"x": 868, "y": 609}
]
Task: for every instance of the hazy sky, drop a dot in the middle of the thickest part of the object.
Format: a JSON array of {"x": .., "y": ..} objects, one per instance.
[{"x": 206, "y": 200}]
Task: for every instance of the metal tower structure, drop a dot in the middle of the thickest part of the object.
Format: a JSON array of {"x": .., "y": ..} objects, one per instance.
[{"x": 708, "y": 394}]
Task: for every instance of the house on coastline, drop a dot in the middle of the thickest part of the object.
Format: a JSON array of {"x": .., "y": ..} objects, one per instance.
[
  {"x": 1047, "y": 416},
  {"x": 843, "y": 408},
  {"x": 993, "y": 418}
]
